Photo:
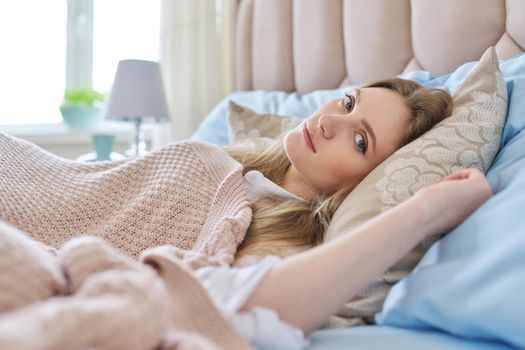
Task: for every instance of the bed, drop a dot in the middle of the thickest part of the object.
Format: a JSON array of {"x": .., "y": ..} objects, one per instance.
[{"x": 291, "y": 56}]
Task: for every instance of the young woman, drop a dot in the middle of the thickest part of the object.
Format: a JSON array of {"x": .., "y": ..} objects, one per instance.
[
  {"x": 324, "y": 158},
  {"x": 304, "y": 179}
]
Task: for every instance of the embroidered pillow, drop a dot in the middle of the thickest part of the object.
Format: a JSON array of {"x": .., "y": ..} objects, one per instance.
[
  {"x": 252, "y": 130},
  {"x": 469, "y": 138}
]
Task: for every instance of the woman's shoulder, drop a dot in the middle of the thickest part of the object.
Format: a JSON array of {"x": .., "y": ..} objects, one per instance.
[
  {"x": 246, "y": 260},
  {"x": 259, "y": 185},
  {"x": 251, "y": 259}
]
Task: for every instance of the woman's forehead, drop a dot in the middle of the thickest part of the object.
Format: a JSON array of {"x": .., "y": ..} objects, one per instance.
[
  {"x": 383, "y": 105},
  {"x": 386, "y": 113}
]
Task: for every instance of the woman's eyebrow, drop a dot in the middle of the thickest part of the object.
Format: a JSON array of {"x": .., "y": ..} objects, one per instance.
[
  {"x": 357, "y": 95},
  {"x": 371, "y": 132},
  {"x": 365, "y": 123}
]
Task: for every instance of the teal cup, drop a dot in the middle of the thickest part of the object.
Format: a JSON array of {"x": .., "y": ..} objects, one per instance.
[{"x": 103, "y": 146}]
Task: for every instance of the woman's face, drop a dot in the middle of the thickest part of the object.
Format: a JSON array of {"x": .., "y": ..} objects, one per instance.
[{"x": 349, "y": 136}]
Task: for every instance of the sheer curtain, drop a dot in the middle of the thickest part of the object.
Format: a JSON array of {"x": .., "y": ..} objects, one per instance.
[{"x": 196, "y": 55}]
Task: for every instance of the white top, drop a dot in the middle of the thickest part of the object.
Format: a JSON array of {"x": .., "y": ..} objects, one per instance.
[
  {"x": 257, "y": 185},
  {"x": 230, "y": 287}
]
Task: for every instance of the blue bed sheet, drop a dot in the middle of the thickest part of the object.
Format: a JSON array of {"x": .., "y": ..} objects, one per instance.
[{"x": 380, "y": 338}]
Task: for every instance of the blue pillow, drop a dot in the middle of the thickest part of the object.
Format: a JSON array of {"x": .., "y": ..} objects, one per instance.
[{"x": 471, "y": 282}]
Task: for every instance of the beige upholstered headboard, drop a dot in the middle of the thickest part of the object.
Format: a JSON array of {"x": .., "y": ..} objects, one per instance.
[{"x": 305, "y": 45}]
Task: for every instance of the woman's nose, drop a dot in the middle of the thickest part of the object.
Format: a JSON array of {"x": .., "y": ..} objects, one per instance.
[{"x": 331, "y": 124}]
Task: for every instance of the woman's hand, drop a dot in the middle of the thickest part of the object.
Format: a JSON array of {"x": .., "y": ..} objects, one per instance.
[{"x": 451, "y": 199}]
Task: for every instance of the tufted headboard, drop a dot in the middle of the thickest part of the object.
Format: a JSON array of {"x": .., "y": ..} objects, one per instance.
[{"x": 305, "y": 45}]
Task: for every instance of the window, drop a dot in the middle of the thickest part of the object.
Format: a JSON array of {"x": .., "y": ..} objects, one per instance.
[
  {"x": 33, "y": 63},
  {"x": 33, "y": 60},
  {"x": 123, "y": 29}
]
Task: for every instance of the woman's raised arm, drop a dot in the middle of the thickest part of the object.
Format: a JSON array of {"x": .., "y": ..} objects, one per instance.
[{"x": 309, "y": 287}]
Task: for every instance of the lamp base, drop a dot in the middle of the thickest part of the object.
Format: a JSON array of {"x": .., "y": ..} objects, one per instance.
[
  {"x": 138, "y": 146},
  {"x": 133, "y": 152}
]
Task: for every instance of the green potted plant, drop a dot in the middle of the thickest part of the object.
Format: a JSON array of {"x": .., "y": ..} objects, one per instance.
[{"x": 82, "y": 108}]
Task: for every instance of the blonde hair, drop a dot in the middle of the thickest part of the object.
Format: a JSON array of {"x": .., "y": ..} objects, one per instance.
[{"x": 280, "y": 224}]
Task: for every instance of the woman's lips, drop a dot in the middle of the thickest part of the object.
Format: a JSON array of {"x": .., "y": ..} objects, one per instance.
[{"x": 308, "y": 138}]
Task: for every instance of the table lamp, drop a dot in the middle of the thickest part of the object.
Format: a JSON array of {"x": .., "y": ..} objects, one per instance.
[{"x": 137, "y": 96}]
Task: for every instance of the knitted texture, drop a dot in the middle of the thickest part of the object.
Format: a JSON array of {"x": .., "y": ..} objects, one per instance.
[
  {"x": 181, "y": 207},
  {"x": 189, "y": 195},
  {"x": 90, "y": 296}
]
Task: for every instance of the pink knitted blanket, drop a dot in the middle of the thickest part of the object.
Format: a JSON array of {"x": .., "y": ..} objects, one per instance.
[
  {"x": 62, "y": 292},
  {"x": 189, "y": 195}
]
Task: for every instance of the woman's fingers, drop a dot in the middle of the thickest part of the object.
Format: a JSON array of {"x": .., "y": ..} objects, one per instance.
[
  {"x": 450, "y": 201},
  {"x": 460, "y": 175}
]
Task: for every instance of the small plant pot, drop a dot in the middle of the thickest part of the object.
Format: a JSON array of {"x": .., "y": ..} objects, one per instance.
[{"x": 81, "y": 117}]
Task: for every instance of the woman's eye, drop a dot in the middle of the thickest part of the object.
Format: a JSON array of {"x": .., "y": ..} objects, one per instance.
[
  {"x": 360, "y": 143},
  {"x": 348, "y": 102}
]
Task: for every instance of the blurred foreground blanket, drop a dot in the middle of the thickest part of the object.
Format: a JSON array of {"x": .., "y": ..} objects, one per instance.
[{"x": 87, "y": 295}]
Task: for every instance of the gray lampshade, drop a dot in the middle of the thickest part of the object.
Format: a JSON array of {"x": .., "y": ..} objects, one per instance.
[{"x": 137, "y": 92}]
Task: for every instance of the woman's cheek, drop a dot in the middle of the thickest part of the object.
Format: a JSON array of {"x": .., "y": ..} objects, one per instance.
[
  {"x": 298, "y": 153},
  {"x": 291, "y": 146}
]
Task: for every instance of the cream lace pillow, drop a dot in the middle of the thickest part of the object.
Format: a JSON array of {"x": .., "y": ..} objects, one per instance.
[
  {"x": 469, "y": 138},
  {"x": 252, "y": 130}
]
